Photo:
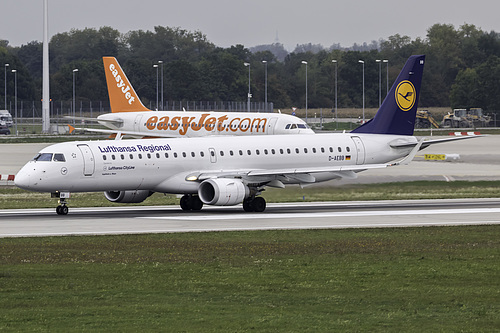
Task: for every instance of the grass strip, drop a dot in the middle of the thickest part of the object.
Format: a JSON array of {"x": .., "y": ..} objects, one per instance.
[
  {"x": 401, "y": 279},
  {"x": 14, "y": 198}
]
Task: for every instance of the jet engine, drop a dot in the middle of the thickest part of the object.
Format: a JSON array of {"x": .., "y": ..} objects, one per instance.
[
  {"x": 223, "y": 192},
  {"x": 127, "y": 196}
]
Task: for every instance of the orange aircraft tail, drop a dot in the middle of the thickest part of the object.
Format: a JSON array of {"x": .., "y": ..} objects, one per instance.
[{"x": 122, "y": 95}]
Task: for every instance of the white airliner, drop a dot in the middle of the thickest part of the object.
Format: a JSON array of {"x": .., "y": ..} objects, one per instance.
[
  {"x": 219, "y": 170},
  {"x": 130, "y": 117}
]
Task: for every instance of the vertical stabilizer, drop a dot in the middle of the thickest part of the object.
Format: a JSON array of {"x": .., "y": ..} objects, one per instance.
[
  {"x": 122, "y": 96},
  {"x": 398, "y": 112}
]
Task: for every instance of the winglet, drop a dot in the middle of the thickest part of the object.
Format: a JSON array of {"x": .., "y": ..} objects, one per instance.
[
  {"x": 122, "y": 96},
  {"x": 71, "y": 129},
  {"x": 410, "y": 156}
]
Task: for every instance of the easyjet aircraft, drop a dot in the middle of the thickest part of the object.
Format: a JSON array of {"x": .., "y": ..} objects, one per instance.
[
  {"x": 130, "y": 116},
  {"x": 217, "y": 171}
]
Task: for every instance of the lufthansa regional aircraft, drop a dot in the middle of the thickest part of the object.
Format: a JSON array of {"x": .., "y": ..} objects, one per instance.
[
  {"x": 130, "y": 117},
  {"x": 216, "y": 170}
]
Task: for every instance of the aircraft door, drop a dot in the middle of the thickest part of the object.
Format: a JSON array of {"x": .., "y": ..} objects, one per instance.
[
  {"x": 213, "y": 155},
  {"x": 88, "y": 160},
  {"x": 360, "y": 149},
  {"x": 137, "y": 123},
  {"x": 271, "y": 126}
]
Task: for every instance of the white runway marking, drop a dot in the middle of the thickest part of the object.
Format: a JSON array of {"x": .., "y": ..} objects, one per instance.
[{"x": 324, "y": 214}]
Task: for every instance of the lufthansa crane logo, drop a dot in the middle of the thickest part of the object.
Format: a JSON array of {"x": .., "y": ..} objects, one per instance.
[{"x": 405, "y": 95}]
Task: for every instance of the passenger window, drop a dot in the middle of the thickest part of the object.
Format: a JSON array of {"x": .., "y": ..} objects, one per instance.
[
  {"x": 288, "y": 150},
  {"x": 257, "y": 152},
  {"x": 249, "y": 152},
  {"x": 348, "y": 149},
  {"x": 131, "y": 156},
  {"x": 241, "y": 153},
  {"x": 212, "y": 153},
  {"x": 314, "y": 150},
  {"x": 340, "y": 149},
  {"x": 113, "y": 157},
  {"x": 175, "y": 155},
  {"x": 297, "y": 150},
  {"x": 273, "y": 151},
  {"x": 140, "y": 156},
  {"x": 202, "y": 154},
  {"x": 281, "y": 151},
  {"x": 104, "y": 157},
  {"x": 59, "y": 158},
  {"x": 221, "y": 153},
  {"x": 157, "y": 155},
  {"x": 331, "y": 149},
  {"x": 184, "y": 154},
  {"x": 193, "y": 154},
  {"x": 122, "y": 157},
  {"x": 231, "y": 153},
  {"x": 266, "y": 152},
  {"x": 322, "y": 149},
  {"x": 305, "y": 150},
  {"x": 166, "y": 155}
]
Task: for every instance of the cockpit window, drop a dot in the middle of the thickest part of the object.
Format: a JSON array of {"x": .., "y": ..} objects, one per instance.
[
  {"x": 302, "y": 126},
  {"x": 59, "y": 158},
  {"x": 294, "y": 126},
  {"x": 287, "y": 126},
  {"x": 43, "y": 157}
]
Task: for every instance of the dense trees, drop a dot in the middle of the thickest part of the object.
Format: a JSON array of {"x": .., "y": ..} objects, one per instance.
[{"x": 462, "y": 69}]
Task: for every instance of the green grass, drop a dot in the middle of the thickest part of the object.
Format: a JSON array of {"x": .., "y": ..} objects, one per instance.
[
  {"x": 12, "y": 198},
  {"x": 407, "y": 279}
]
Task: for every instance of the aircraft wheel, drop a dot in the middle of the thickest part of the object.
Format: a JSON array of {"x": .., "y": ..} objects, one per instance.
[
  {"x": 259, "y": 204},
  {"x": 185, "y": 202},
  {"x": 196, "y": 203},
  {"x": 62, "y": 210},
  {"x": 247, "y": 205}
]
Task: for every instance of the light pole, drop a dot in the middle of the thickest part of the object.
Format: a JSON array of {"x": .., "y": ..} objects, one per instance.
[
  {"x": 6, "y": 65},
  {"x": 74, "y": 105},
  {"x": 15, "y": 94},
  {"x": 387, "y": 81},
  {"x": 305, "y": 63},
  {"x": 156, "y": 66},
  {"x": 379, "y": 82},
  {"x": 265, "y": 63},
  {"x": 336, "y": 119},
  {"x": 247, "y": 64},
  {"x": 362, "y": 62},
  {"x": 161, "y": 64}
]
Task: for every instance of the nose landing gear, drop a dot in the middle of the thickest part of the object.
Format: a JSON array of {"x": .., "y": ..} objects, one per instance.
[{"x": 62, "y": 209}]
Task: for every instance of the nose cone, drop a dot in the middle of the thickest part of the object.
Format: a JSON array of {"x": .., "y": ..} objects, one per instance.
[{"x": 22, "y": 179}]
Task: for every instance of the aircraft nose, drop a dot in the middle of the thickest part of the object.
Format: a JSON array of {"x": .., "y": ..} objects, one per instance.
[{"x": 22, "y": 179}]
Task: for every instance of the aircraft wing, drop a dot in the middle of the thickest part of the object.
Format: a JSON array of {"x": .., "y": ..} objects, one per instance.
[
  {"x": 113, "y": 121},
  {"x": 120, "y": 133}
]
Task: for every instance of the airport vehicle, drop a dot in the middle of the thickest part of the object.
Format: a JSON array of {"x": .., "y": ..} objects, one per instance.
[
  {"x": 130, "y": 117},
  {"x": 4, "y": 129},
  {"x": 464, "y": 118},
  {"x": 6, "y": 117},
  {"x": 220, "y": 171},
  {"x": 425, "y": 120}
]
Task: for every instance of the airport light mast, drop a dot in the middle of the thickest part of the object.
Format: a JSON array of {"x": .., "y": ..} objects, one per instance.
[{"x": 45, "y": 80}]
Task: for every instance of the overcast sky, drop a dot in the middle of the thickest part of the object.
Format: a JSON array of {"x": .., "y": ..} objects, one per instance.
[{"x": 254, "y": 22}]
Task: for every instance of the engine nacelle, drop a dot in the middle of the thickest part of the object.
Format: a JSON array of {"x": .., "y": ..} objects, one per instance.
[
  {"x": 223, "y": 192},
  {"x": 127, "y": 196}
]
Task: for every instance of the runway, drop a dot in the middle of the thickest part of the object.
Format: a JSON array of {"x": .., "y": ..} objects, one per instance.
[{"x": 317, "y": 215}]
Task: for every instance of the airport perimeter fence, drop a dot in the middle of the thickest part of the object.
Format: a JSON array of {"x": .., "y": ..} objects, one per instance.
[{"x": 58, "y": 109}]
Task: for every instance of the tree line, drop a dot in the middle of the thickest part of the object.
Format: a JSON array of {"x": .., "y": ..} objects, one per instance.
[{"x": 461, "y": 68}]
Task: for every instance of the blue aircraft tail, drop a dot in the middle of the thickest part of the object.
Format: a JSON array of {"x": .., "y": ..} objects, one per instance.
[{"x": 398, "y": 111}]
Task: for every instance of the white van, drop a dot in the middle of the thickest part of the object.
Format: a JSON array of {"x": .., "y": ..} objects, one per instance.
[{"x": 6, "y": 117}]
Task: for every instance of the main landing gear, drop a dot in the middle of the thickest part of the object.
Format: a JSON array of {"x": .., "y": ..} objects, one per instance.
[
  {"x": 191, "y": 202},
  {"x": 256, "y": 204},
  {"x": 62, "y": 209}
]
